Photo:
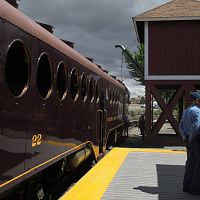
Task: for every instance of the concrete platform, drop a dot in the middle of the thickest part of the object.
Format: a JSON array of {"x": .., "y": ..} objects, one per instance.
[{"x": 134, "y": 173}]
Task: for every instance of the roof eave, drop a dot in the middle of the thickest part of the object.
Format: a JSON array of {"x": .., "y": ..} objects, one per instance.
[
  {"x": 136, "y": 30},
  {"x": 166, "y": 18}
]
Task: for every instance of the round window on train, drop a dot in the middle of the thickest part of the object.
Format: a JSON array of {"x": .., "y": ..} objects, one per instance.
[
  {"x": 91, "y": 90},
  {"x": 114, "y": 95},
  {"x": 17, "y": 67},
  {"x": 74, "y": 85},
  {"x": 117, "y": 96},
  {"x": 83, "y": 91},
  {"x": 44, "y": 77},
  {"x": 97, "y": 92},
  {"x": 61, "y": 81},
  {"x": 110, "y": 95},
  {"x": 107, "y": 94}
]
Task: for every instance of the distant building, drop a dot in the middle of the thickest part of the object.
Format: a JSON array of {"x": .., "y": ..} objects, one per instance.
[{"x": 135, "y": 100}]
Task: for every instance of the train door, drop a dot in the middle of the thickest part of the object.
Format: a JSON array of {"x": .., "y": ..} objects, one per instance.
[{"x": 101, "y": 122}]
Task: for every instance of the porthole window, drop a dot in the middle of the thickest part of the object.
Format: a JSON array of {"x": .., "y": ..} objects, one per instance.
[
  {"x": 107, "y": 94},
  {"x": 114, "y": 96},
  {"x": 97, "y": 92},
  {"x": 44, "y": 77},
  {"x": 110, "y": 95},
  {"x": 83, "y": 90},
  {"x": 74, "y": 84},
  {"x": 61, "y": 81},
  {"x": 117, "y": 96},
  {"x": 122, "y": 98},
  {"x": 91, "y": 90},
  {"x": 17, "y": 68}
]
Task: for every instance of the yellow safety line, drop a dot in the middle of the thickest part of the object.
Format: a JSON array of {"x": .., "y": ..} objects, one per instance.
[
  {"x": 155, "y": 150},
  {"x": 93, "y": 185}
]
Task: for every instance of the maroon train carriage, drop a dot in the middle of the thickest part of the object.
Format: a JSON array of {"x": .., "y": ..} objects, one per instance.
[{"x": 57, "y": 109}]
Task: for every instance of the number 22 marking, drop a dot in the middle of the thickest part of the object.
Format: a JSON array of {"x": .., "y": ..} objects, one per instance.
[{"x": 36, "y": 140}]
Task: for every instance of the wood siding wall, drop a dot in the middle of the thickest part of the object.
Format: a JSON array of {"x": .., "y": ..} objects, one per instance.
[{"x": 174, "y": 48}]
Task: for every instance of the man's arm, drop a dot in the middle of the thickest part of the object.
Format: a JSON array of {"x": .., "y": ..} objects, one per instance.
[
  {"x": 196, "y": 122},
  {"x": 181, "y": 128}
]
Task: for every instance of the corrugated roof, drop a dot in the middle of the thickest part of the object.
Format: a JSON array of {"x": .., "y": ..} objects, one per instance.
[{"x": 172, "y": 9}]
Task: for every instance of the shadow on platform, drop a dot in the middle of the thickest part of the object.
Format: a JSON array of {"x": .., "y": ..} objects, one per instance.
[
  {"x": 169, "y": 180},
  {"x": 131, "y": 142},
  {"x": 134, "y": 140}
]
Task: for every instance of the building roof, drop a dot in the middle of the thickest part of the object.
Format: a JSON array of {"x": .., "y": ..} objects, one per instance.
[
  {"x": 172, "y": 10},
  {"x": 177, "y": 9}
]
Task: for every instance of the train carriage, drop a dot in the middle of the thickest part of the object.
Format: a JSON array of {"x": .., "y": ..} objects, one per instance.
[{"x": 57, "y": 109}]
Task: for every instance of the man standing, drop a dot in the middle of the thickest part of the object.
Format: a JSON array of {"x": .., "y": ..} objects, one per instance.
[
  {"x": 190, "y": 131},
  {"x": 126, "y": 125}
]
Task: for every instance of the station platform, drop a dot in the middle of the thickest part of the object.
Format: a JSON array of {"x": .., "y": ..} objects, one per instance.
[{"x": 134, "y": 173}]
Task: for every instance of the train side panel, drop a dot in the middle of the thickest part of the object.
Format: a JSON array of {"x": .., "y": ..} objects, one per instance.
[{"x": 42, "y": 122}]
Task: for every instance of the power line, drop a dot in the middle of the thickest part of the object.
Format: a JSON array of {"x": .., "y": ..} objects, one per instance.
[{"x": 122, "y": 60}]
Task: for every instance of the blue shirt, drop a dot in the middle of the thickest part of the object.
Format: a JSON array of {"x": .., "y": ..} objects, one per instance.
[{"x": 190, "y": 122}]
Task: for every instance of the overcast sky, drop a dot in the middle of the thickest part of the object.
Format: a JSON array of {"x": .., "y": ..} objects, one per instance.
[{"x": 95, "y": 26}]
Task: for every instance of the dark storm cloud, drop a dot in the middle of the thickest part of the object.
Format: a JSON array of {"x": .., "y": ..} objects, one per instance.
[{"x": 95, "y": 26}]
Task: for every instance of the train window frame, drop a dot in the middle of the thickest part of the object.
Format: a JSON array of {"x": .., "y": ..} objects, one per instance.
[
  {"x": 114, "y": 96},
  {"x": 110, "y": 95},
  {"x": 61, "y": 63},
  {"x": 70, "y": 79},
  {"x": 84, "y": 99},
  {"x": 117, "y": 97},
  {"x": 113, "y": 101},
  {"x": 97, "y": 92},
  {"x": 48, "y": 94},
  {"x": 107, "y": 95},
  {"x": 91, "y": 100},
  {"x": 27, "y": 82}
]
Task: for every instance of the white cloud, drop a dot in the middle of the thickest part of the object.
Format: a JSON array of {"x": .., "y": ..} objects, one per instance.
[{"x": 135, "y": 88}]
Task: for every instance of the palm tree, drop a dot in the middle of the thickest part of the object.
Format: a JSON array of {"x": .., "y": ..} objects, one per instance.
[
  {"x": 135, "y": 62},
  {"x": 136, "y": 68}
]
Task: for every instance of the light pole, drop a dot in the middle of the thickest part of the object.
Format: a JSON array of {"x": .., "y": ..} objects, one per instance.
[{"x": 126, "y": 53}]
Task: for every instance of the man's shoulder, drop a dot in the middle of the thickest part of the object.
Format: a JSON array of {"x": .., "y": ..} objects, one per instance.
[{"x": 194, "y": 108}]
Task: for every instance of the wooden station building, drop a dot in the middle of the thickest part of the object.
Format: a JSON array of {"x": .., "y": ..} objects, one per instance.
[{"x": 171, "y": 36}]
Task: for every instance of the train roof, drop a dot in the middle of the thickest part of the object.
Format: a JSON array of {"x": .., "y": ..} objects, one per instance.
[{"x": 17, "y": 18}]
